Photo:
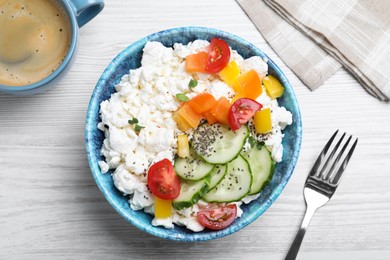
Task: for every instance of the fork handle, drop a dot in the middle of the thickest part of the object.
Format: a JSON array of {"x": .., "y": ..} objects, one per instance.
[{"x": 293, "y": 252}]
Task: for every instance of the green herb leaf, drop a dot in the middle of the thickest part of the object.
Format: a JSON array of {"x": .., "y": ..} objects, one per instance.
[
  {"x": 193, "y": 83},
  {"x": 138, "y": 128},
  {"x": 182, "y": 97},
  {"x": 251, "y": 141},
  {"x": 133, "y": 121},
  {"x": 259, "y": 145}
]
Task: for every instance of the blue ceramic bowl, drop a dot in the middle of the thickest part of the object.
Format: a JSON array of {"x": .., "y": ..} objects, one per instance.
[{"x": 130, "y": 59}]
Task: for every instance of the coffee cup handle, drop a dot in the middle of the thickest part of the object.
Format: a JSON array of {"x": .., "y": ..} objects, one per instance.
[{"x": 86, "y": 10}]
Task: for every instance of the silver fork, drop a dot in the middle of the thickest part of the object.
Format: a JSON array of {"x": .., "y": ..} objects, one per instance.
[{"x": 321, "y": 183}]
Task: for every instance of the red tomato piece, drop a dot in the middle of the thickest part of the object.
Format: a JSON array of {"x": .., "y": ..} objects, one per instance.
[
  {"x": 218, "y": 218},
  {"x": 218, "y": 55},
  {"x": 241, "y": 111},
  {"x": 163, "y": 181}
]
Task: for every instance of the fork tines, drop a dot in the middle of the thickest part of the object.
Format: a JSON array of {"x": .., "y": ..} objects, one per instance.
[{"x": 329, "y": 167}]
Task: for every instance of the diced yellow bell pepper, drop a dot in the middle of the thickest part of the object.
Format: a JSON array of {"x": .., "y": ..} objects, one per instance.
[
  {"x": 262, "y": 120},
  {"x": 273, "y": 87},
  {"x": 183, "y": 148},
  {"x": 230, "y": 73},
  {"x": 162, "y": 208}
]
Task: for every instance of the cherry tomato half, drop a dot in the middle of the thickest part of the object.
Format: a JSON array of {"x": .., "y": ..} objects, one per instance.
[
  {"x": 163, "y": 181},
  {"x": 218, "y": 218},
  {"x": 241, "y": 111},
  {"x": 218, "y": 55}
]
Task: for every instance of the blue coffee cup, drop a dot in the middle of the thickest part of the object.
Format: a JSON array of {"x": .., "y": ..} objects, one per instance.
[{"x": 79, "y": 13}]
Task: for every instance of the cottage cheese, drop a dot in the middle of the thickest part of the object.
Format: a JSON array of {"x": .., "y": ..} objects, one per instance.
[{"x": 148, "y": 94}]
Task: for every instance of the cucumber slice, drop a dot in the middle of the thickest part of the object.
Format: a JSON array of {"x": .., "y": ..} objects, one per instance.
[
  {"x": 217, "y": 174},
  {"x": 217, "y": 144},
  {"x": 192, "y": 168},
  {"x": 191, "y": 192},
  {"x": 235, "y": 184},
  {"x": 262, "y": 167}
]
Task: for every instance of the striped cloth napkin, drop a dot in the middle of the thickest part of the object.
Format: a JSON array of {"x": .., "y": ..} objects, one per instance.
[{"x": 316, "y": 37}]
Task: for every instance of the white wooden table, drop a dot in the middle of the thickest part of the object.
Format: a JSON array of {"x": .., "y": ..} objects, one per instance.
[{"x": 50, "y": 207}]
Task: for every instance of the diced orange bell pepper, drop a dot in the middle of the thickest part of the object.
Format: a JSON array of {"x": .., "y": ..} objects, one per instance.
[
  {"x": 262, "y": 121},
  {"x": 221, "y": 110},
  {"x": 162, "y": 208},
  {"x": 209, "y": 117},
  {"x": 273, "y": 87},
  {"x": 196, "y": 62},
  {"x": 189, "y": 115},
  {"x": 248, "y": 85},
  {"x": 202, "y": 102},
  {"x": 230, "y": 73}
]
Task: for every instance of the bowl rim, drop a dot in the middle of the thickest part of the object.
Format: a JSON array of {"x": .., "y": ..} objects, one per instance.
[{"x": 196, "y": 236}]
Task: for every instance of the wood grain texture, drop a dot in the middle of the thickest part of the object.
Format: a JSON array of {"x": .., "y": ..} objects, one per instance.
[{"x": 50, "y": 207}]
